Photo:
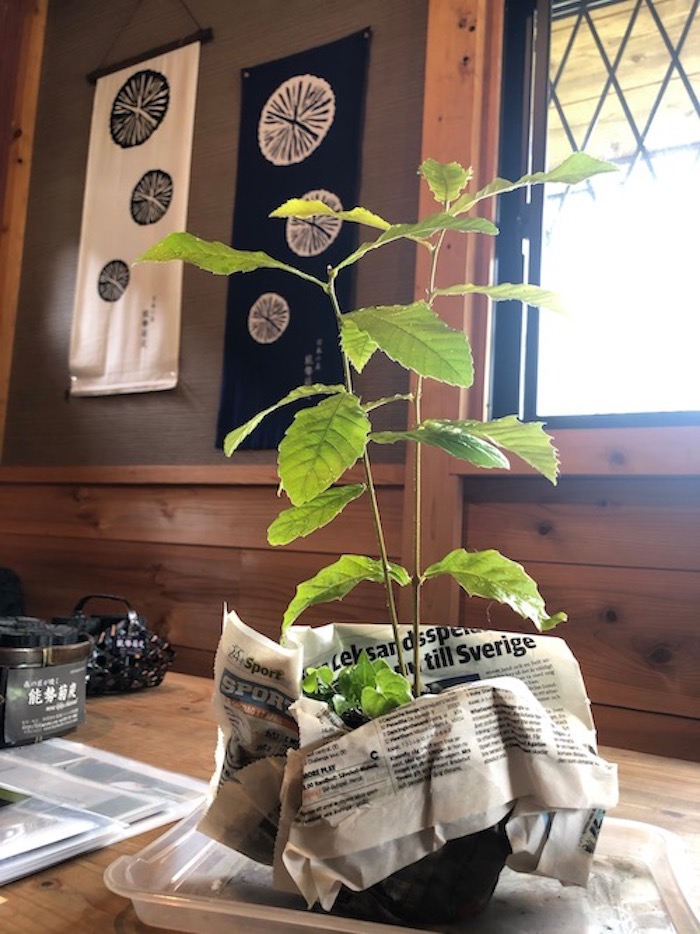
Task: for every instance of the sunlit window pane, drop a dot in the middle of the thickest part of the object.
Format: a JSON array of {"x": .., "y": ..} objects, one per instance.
[{"x": 624, "y": 250}]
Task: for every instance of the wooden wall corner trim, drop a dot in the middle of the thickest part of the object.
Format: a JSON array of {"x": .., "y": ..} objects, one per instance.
[
  {"x": 460, "y": 123},
  {"x": 13, "y": 208}
]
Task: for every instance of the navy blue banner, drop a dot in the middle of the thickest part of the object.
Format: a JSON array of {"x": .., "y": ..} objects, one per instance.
[{"x": 300, "y": 137}]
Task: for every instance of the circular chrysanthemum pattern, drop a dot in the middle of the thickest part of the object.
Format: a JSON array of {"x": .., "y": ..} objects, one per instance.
[
  {"x": 113, "y": 280},
  {"x": 139, "y": 108},
  {"x": 310, "y": 236},
  {"x": 268, "y": 318},
  {"x": 295, "y": 119},
  {"x": 151, "y": 197}
]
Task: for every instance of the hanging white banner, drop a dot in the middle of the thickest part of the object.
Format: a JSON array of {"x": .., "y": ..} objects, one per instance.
[{"x": 126, "y": 319}]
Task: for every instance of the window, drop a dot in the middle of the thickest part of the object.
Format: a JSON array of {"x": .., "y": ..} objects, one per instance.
[{"x": 619, "y": 79}]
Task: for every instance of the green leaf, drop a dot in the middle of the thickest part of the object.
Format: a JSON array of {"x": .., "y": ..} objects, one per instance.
[
  {"x": 446, "y": 180},
  {"x": 576, "y": 168},
  {"x": 303, "y": 520},
  {"x": 234, "y": 438},
  {"x": 389, "y": 690},
  {"x": 356, "y": 344},
  {"x": 353, "y": 679},
  {"x": 450, "y": 436},
  {"x": 387, "y": 400},
  {"x": 489, "y": 574},
  {"x": 215, "y": 257},
  {"x": 336, "y": 581},
  {"x": 506, "y": 291},
  {"x": 320, "y": 445},
  {"x": 340, "y": 704},
  {"x": 393, "y": 684},
  {"x": 417, "y": 338},
  {"x": 421, "y": 231},
  {"x": 478, "y": 442},
  {"x": 528, "y": 440},
  {"x": 299, "y": 207},
  {"x": 317, "y": 681}
]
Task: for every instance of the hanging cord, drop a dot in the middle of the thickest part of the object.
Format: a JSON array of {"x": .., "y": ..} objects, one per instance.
[{"x": 201, "y": 35}]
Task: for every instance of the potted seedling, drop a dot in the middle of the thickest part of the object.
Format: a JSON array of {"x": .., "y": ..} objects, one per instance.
[{"x": 333, "y": 432}]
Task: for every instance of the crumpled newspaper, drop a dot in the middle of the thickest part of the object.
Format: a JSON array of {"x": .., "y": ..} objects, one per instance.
[{"x": 512, "y": 738}]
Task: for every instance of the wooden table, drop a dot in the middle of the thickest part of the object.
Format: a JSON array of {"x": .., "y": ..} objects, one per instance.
[{"x": 173, "y": 727}]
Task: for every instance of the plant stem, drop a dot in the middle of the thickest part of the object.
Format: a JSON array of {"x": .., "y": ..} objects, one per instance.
[
  {"x": 381, "y": 541},
  {"x": 416, "y": 582},
  {"x": 415, "y": 577}
]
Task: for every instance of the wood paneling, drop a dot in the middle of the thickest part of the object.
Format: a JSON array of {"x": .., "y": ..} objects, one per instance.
[
  {"x": 634, "y": 632},
  {"x": 639, "y": 522},
  {"x": 233, "y": 517},
  {"x": 622, "y": 558},
  {"x": 676, "y": 737},
  {"x": 178, "y": 553}
]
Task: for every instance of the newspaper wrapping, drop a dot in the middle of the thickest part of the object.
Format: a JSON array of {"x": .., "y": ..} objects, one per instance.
[{"x": 503, "y": 732}]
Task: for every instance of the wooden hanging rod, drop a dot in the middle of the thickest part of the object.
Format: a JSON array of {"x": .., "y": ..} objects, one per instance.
[{"x": 202, "y": 35}]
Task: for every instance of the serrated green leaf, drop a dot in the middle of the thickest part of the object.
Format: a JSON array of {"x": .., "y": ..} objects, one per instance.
[
  {"x": 576, "y": 168},
  {"x": 479, "y": 442},
  {"x": 450, "y": 436},
  {"x": 422, "y": 231},
  {"x": 490, "y": 575},
  {"x": 320, "y": 445},
  {"x": 299, "y": 207},
  {"x": 357, "y": 345},
  {"x": 303, "y": 520},
  {"x": 417, "y": 338},
  {"x": 507, "y": 291},
  {"x": 215, "y": 257},
  {"x": 446, "y": 180},
  {"x": 234, "y": 438},
  {"x": 528, "y": 440},
  {"x": 336, "y": 581}
]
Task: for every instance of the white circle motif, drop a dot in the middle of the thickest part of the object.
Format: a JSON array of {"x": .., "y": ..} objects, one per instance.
[
  {"x": 295, "y": 120},
  {"x": 268, "y": 318},
  {"x": 310, "y": 236}
]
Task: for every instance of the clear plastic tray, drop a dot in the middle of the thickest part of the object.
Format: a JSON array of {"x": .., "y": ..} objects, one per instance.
[{"x": 187, "y": 882}]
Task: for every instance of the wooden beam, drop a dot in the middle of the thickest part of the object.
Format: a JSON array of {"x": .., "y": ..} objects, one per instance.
[
  {"x": 13, "y": 207},
  {"x": 460, "y": 123},
  {"x": 671, "y": 450}
]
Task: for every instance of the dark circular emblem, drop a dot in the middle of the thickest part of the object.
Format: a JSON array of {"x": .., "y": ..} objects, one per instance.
[
  {"x": 151, "y": 197},
  {"x": 139, "y": 108},
  {"x": 113, "y": 280}
]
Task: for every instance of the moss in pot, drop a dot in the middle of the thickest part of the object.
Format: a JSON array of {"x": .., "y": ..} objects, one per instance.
[{"x": 334, "y": 432}]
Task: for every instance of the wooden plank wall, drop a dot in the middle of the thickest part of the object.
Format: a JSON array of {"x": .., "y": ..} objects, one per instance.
[
  {"x": 177, "y": 550},
  {"x": 622, "y": 557}
]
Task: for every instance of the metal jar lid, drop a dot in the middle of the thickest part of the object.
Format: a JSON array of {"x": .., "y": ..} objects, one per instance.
[{"x": 26, "y": 640}]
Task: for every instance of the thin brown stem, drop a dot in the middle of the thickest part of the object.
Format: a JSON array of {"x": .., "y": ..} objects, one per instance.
[
  {"x": 374, "y": 504},
  {"x": 417, "y": 493}
]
